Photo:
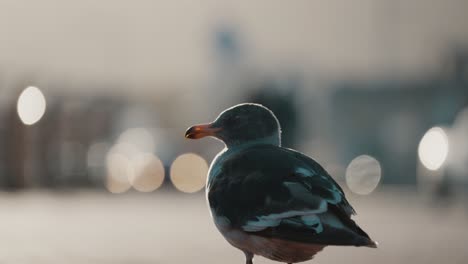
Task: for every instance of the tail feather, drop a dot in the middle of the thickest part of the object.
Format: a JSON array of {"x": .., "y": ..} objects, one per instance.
[
  {"x": 373, "y": 244},
  {"x": 363, "y": 237}
]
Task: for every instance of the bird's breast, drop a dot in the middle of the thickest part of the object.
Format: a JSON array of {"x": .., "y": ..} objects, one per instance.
[
  {"x": 215, "y": 166},
  {"x": 271, "y": 248}
]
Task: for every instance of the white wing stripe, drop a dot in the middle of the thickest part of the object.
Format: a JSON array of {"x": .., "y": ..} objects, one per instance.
[{"x": 265, "y": 221}]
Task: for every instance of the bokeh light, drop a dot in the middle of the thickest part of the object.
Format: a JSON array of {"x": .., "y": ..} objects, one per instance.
[
  {"x": 188, "y": 172},
  {"x": 433, "y": 148},
  {"x": 31, "y": 105},
  {"x": 119, "y": 171},
  {"x": 130, "y": 162},
  {"x": 363, "y": 174},
  {"x": 149, "y": 173},
  {"x": 141, "y": 138}
]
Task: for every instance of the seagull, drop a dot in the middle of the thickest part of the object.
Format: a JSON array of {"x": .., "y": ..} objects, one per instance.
[{"x": 272, "y": 201}]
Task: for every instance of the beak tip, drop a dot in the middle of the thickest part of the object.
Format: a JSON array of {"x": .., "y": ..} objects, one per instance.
[
  {"x": 200, "y": 131},
  {"x": 189, "y": 133}
]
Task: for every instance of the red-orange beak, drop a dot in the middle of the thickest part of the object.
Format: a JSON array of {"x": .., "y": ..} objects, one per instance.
[{"x": 200, "y": 131}]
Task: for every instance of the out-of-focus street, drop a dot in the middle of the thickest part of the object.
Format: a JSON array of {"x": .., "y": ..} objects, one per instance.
[
  {"x": 167, "y": 227},
  {"x": 96, "y": 98}
]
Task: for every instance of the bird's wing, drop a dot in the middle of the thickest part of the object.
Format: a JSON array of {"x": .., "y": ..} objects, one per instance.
[
  {"x": 322, "y": 182},
  {"x": 279, "y": 192}
]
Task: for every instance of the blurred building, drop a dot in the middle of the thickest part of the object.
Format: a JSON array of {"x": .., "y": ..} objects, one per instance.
[
  {"x": 345, "y": 79},
  {"x": 387, "y": 118}
]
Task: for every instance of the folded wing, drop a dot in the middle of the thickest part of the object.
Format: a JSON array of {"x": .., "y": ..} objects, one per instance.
[{"x": 281, "y": 193}]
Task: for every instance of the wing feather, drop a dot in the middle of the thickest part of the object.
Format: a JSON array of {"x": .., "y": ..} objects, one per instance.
[{"x": 273, "y": 190}]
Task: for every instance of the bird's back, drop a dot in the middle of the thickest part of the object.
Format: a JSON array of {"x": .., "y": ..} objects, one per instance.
[{"x": 280, "y": 194}]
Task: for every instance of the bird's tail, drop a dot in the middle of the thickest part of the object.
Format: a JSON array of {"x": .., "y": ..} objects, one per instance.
[
  {"x": 366, "y": 240},
  {"x": 362, "y": 238},
  {"x": 373, "y": 244}
]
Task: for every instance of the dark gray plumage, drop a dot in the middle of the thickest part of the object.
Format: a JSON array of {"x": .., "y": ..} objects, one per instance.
[{"x": 273, "y": 201}]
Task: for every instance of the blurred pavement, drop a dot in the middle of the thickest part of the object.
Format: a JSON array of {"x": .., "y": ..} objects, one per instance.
[{"x": 167, "y": 227}]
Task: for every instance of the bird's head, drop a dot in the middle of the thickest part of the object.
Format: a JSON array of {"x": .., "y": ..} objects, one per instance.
[{"x": 243, "y": 123}]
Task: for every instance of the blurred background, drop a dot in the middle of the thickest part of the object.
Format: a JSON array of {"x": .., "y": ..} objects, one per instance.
[{"x": 95, "y": 97}]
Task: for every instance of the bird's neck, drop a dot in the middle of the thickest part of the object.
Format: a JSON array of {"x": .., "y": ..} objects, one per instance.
[
  {"x": 274, "y": 139},
  {"x": 235, "y": 148}
]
